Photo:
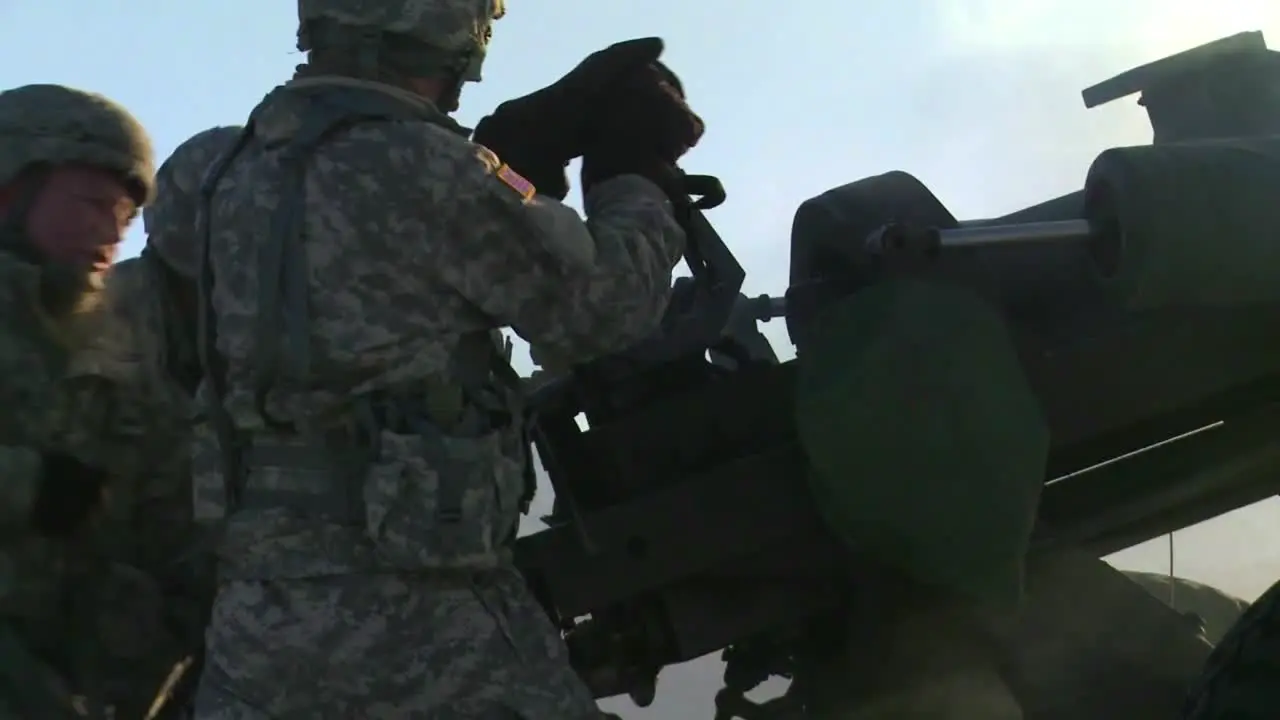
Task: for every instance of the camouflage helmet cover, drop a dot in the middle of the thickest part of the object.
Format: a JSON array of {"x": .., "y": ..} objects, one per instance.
[
  {"x": 54, "y": 124},
  {"x": 461, "y": 28},
  {"x": 170, "y": 221}
]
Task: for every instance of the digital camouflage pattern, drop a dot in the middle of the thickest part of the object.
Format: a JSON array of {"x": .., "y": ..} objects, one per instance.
[
  {"x": 134, "y": 418},
  {"x": 415, "y": 239},
  {"x": 32, "y": 359},
  {"x": 170, "y": 221},
  {"x": 49, "y": 647},
  {"x": 457, "y": 28},
  {"x": 55, "y": 124}
]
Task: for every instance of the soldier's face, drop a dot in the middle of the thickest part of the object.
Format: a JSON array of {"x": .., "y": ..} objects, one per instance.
[
  {"x": 437, "y": 91},
  {"x": 79, "y": 218}
]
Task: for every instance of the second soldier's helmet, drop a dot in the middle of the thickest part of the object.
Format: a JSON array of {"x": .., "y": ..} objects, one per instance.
[
  {"x": 458, "y": 31},
  {"x": 170, "y": 221},
  {"x": 54, "y": 125}
]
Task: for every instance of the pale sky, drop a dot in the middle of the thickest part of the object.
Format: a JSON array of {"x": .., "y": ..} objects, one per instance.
[{"x": 978, "y": 98}]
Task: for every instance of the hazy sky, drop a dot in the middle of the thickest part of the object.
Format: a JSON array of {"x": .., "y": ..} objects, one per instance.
[{"x": 978, "y": 98}]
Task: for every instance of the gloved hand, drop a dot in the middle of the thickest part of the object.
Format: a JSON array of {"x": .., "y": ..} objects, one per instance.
[
  {"x": 645, "y": 130},
  {"x": 70, "y": 494},
  {"x": 538, "y": 134}
]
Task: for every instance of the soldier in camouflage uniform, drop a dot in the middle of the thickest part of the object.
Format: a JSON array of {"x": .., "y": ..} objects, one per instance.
[
  {"x": 360, "y": 250},
  {"x": 134, "y": 389},
  {"x": 74, "y": 170}
]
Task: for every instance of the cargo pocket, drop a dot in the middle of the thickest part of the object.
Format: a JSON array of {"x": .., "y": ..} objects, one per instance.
[{"x": 439, "y": 501}]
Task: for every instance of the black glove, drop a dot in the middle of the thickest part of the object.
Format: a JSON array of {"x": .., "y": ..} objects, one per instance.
[
  {"x": 538, "y": 134},
  {"x": 518, "y": 147},
  {"x": 644, "y": 130},
  {"x": 71, "y": 492}
]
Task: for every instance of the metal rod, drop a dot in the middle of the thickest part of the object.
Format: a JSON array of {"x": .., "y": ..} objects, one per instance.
[
  {"x": 764, "y": 307},
  {"x": 1055, "y": 231}
]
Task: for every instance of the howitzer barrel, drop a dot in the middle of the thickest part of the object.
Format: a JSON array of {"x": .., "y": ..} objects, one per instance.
[
  {"x": 1151, "y": 314},
  {"x": 1177, "y": 234}
]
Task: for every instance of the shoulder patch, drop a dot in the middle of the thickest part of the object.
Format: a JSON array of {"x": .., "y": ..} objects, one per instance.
[
  {"x": 505, "y": 174},
  {"x": 516, "y": 181}
]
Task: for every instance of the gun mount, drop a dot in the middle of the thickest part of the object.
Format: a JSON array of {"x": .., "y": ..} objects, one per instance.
[{"x": 1145, "y": 328}]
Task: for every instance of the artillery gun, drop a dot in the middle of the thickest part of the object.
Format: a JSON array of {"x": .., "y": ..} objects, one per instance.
[{"x": 1081, "y": 376}]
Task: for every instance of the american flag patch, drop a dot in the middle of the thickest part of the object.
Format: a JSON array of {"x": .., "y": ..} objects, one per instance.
[{"x": 516, "y": 181}]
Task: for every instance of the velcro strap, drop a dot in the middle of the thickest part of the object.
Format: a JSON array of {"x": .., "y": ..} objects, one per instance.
[{"x": 322, "y": 482}]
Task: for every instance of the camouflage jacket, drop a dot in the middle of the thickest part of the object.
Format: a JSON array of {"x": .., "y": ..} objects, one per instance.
[
  {"x": 136, "y": 420},
  {"x": 415, "y": 238},
  {"x": 133, "y": 419},
  {"x": 39, "y": 632},
  {"x": 33, "y": 356}
]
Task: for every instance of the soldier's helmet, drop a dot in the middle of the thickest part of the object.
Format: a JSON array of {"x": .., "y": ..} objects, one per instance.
[
  {"x": 56, "y": 125},
  {"x": 170, "y": 221},
  {"x": 457, "y": 32}
]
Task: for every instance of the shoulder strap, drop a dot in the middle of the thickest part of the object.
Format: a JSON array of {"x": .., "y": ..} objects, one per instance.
[
  {"x": 282, "y": 262},
  {"x": 283, "y": 288},
  {"x": 212, "y": 364}
]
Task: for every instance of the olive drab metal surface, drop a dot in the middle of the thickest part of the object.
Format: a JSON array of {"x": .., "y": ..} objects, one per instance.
[
  {"x": 927, "y": 444},
  {"x": 1196, "y": 223}
]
